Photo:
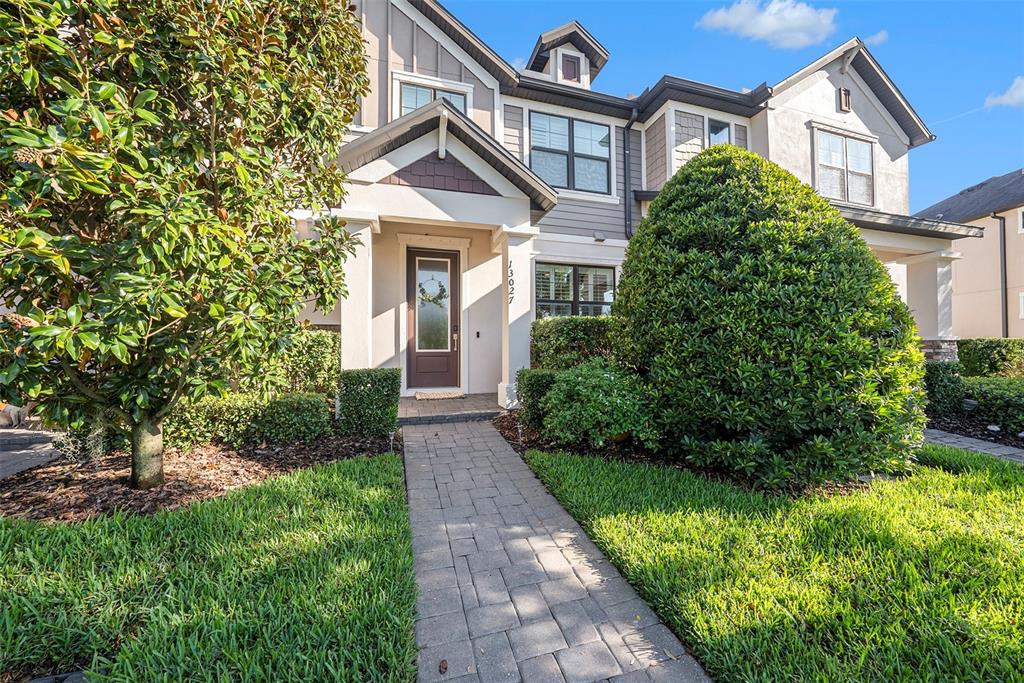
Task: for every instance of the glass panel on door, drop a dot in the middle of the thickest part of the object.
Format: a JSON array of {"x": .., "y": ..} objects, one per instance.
[{"x": 433, "y": 304}]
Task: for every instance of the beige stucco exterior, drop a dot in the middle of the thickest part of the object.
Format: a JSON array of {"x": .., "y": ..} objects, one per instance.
[{"x": 976, "y": 280}]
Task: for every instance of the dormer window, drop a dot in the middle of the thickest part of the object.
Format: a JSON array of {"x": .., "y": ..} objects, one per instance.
[{"x": 571, "y": 68}]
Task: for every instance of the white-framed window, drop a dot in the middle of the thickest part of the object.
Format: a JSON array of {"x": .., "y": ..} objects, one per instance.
[
  {"x": 719, "y": 132},
  {"x": 844, "y": 168},
  {"x": 569, "y": 289},
  {"x": 571, "y": 154},
  {"x": 1020, "y": 222},
  {"x": 412, "y": 96},
  {"x": 1021, "y": 295}
]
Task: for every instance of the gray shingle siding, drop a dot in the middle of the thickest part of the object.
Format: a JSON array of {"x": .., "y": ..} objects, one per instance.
[
  {"x": 574, "y": 216},
  {"x": 689, "y": 139},
  {"x": 655, "y": 138}
]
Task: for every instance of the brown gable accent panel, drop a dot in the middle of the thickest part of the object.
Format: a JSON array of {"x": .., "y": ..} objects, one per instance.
[{"x": 433, "y": 172}]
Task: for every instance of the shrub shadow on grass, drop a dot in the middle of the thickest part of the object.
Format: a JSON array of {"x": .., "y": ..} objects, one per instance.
[
  {"x": 903, "y": 580},
  {"x": 307, "y": 575}
]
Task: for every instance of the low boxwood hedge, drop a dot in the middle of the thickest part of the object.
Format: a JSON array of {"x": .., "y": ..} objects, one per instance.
[
  {"x": 532, "y": 385},
  {"x": 989, "y": 357},
  {"x": 561, "y": 343},
  {"x": 293, "y": 417},
  {"x": 368, "y": 401},
  {"x": 1000, "y": 401},
  {"x": 945, "y": 388}
]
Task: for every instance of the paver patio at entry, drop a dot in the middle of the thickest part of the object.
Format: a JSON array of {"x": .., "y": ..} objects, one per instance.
[{"x": 509, "y": 586}]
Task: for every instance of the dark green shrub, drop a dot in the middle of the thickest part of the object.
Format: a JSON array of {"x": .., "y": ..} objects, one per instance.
[
  {"x": 1000, "y": 401},
  {"x": 224, "y": 419},
  {"x": 991, "y": 357},
  {"x": 560, "y": 343},
  {"x": 292, "y": 417},
  {"x": 594, "y": 403},
  {"x": 944, "y": 387},
  {"x": 772, "y": 340},
  {"x": 311, "y": 364},
  {"x": 532, "y": 385},
  {"x": 369, "y": 401}
]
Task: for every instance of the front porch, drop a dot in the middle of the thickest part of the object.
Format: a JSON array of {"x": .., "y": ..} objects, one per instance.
[{"x": 469, "y": 408}]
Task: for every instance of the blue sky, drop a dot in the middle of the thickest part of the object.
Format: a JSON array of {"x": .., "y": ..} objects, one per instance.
[{"x": 948, "y": 58}]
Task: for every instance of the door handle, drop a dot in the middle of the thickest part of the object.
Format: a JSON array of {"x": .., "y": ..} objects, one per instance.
[{"x": 455, "y": 338}]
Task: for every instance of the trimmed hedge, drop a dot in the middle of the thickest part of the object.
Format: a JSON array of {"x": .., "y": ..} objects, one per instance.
[
  {"x": 773, "y": 341},
  {"x": 369, "y": 401},
  {"x": 945, "y": 388},
  {"x": 239, "y": 419},
  {"x": 311, "y": 364},
  {"x": 293, "y": 417},
  {"x": 992, "y": 357},
  {"x": 560, "y": 343},
  {"x": 1000, "y": 401},
  {"x": 532, "y": 385},
  {"x": 224, "y": 419},
  {"x": 594, "y": 403}
]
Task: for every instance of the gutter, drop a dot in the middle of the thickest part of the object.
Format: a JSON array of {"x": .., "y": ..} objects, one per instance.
[
  {"x": 627, "y": 170},
  {"x": 1004, "y": 314}
]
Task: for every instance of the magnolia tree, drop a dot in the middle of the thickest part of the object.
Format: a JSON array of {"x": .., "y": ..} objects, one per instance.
[{"x": 152, "y": 151}]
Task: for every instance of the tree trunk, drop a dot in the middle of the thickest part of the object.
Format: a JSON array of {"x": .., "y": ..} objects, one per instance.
[{"x": 147, "y": 453}]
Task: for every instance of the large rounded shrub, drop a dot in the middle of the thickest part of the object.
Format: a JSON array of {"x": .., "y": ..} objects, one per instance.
[{"x": 773, "y": 342}]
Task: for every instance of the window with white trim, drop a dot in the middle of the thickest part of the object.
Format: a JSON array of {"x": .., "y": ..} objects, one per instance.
[
  {"x": 570, "y": 153},
  {"x": 565, "y": 289},
  {"x": 844, "y": 168},
  {"x": 413, "y": 96},
  {"x": 1021, "y": 305},
  {"x": 718, "y": 133}
]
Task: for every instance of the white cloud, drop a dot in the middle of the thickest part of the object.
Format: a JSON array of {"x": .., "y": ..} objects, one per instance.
[
  {"x": 1013, "y": 97},
  {"x": 781, "y": 23},
  {"x": 878, "y": 38}
]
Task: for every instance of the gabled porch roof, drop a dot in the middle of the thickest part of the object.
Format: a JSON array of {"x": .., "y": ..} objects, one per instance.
[{"x": 442, "y": 116}]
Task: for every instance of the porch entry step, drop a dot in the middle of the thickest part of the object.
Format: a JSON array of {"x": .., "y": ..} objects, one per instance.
[
  {"x": 442, "y": 418},
  {"x": 438, "y": 395}
]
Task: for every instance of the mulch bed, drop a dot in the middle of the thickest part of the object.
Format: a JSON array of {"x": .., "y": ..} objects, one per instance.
[
  {"x": 72, "y": 491},
  {"x": 965, "y": 425}
]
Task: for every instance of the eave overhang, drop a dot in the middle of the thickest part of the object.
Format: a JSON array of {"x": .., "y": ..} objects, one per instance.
[
  {"x": 671, "y": 88},
  {"x": 908, "y": 225}
]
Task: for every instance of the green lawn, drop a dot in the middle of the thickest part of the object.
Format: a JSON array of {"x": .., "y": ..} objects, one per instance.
[
  {"x": 914, "y": 579},
  {"x": 307, "y": 576}
]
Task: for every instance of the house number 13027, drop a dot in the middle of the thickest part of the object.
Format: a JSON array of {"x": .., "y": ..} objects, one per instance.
[{"x": 511, "y": 283}]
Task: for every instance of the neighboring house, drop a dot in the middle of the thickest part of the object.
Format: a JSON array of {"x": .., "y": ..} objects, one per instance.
[
  {"x": 486, "y": 197},
  {"x": 988, "y": 282}
]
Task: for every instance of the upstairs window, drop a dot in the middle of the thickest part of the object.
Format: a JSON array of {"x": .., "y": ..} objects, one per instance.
[
  {"x": 571, "y": 68},
  {"x": 718, "y": 133},
  {"x": 844, "y": 169},
  {"x": 571, "y": 154},
  {"x": 415, "y": 96},
  {"x": 574, "y": 290}
]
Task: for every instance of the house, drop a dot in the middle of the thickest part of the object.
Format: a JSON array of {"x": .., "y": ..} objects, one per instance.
[
  {"x": 988, "y": 282},
  {"x": 486, "y": 197}
]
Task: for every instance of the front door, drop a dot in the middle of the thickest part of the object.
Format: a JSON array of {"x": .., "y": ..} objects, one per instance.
[{"x": 433, "y": 296}]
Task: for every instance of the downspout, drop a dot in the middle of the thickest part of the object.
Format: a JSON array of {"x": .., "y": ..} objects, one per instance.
[
  {"x": 1004, "y": 314},
  {"x": 627, "y": 166}
]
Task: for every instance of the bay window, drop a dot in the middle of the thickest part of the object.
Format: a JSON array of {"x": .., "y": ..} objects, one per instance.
[
  {"x": 570, "y": 153},
  {"x": 844, "y": 168},
  {"x": 563, "y": 289}
]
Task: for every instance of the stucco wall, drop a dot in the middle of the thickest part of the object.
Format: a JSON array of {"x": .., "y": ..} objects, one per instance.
[
  {"x": 976, "y": 280},
  {"x": 814, "y": 100}
]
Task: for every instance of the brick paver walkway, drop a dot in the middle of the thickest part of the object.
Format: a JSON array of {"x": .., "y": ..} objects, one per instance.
[
  {"x": 510, "y": 587},
  {"x": 937, "y": 436}
]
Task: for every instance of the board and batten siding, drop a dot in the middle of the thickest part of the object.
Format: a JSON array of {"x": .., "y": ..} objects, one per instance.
[
  {"x": 655, "y": 139},
  {"x": 513, "y": 140},
  {"x": 573, "y": 216},
  {"x": 413, "y": 50}
]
